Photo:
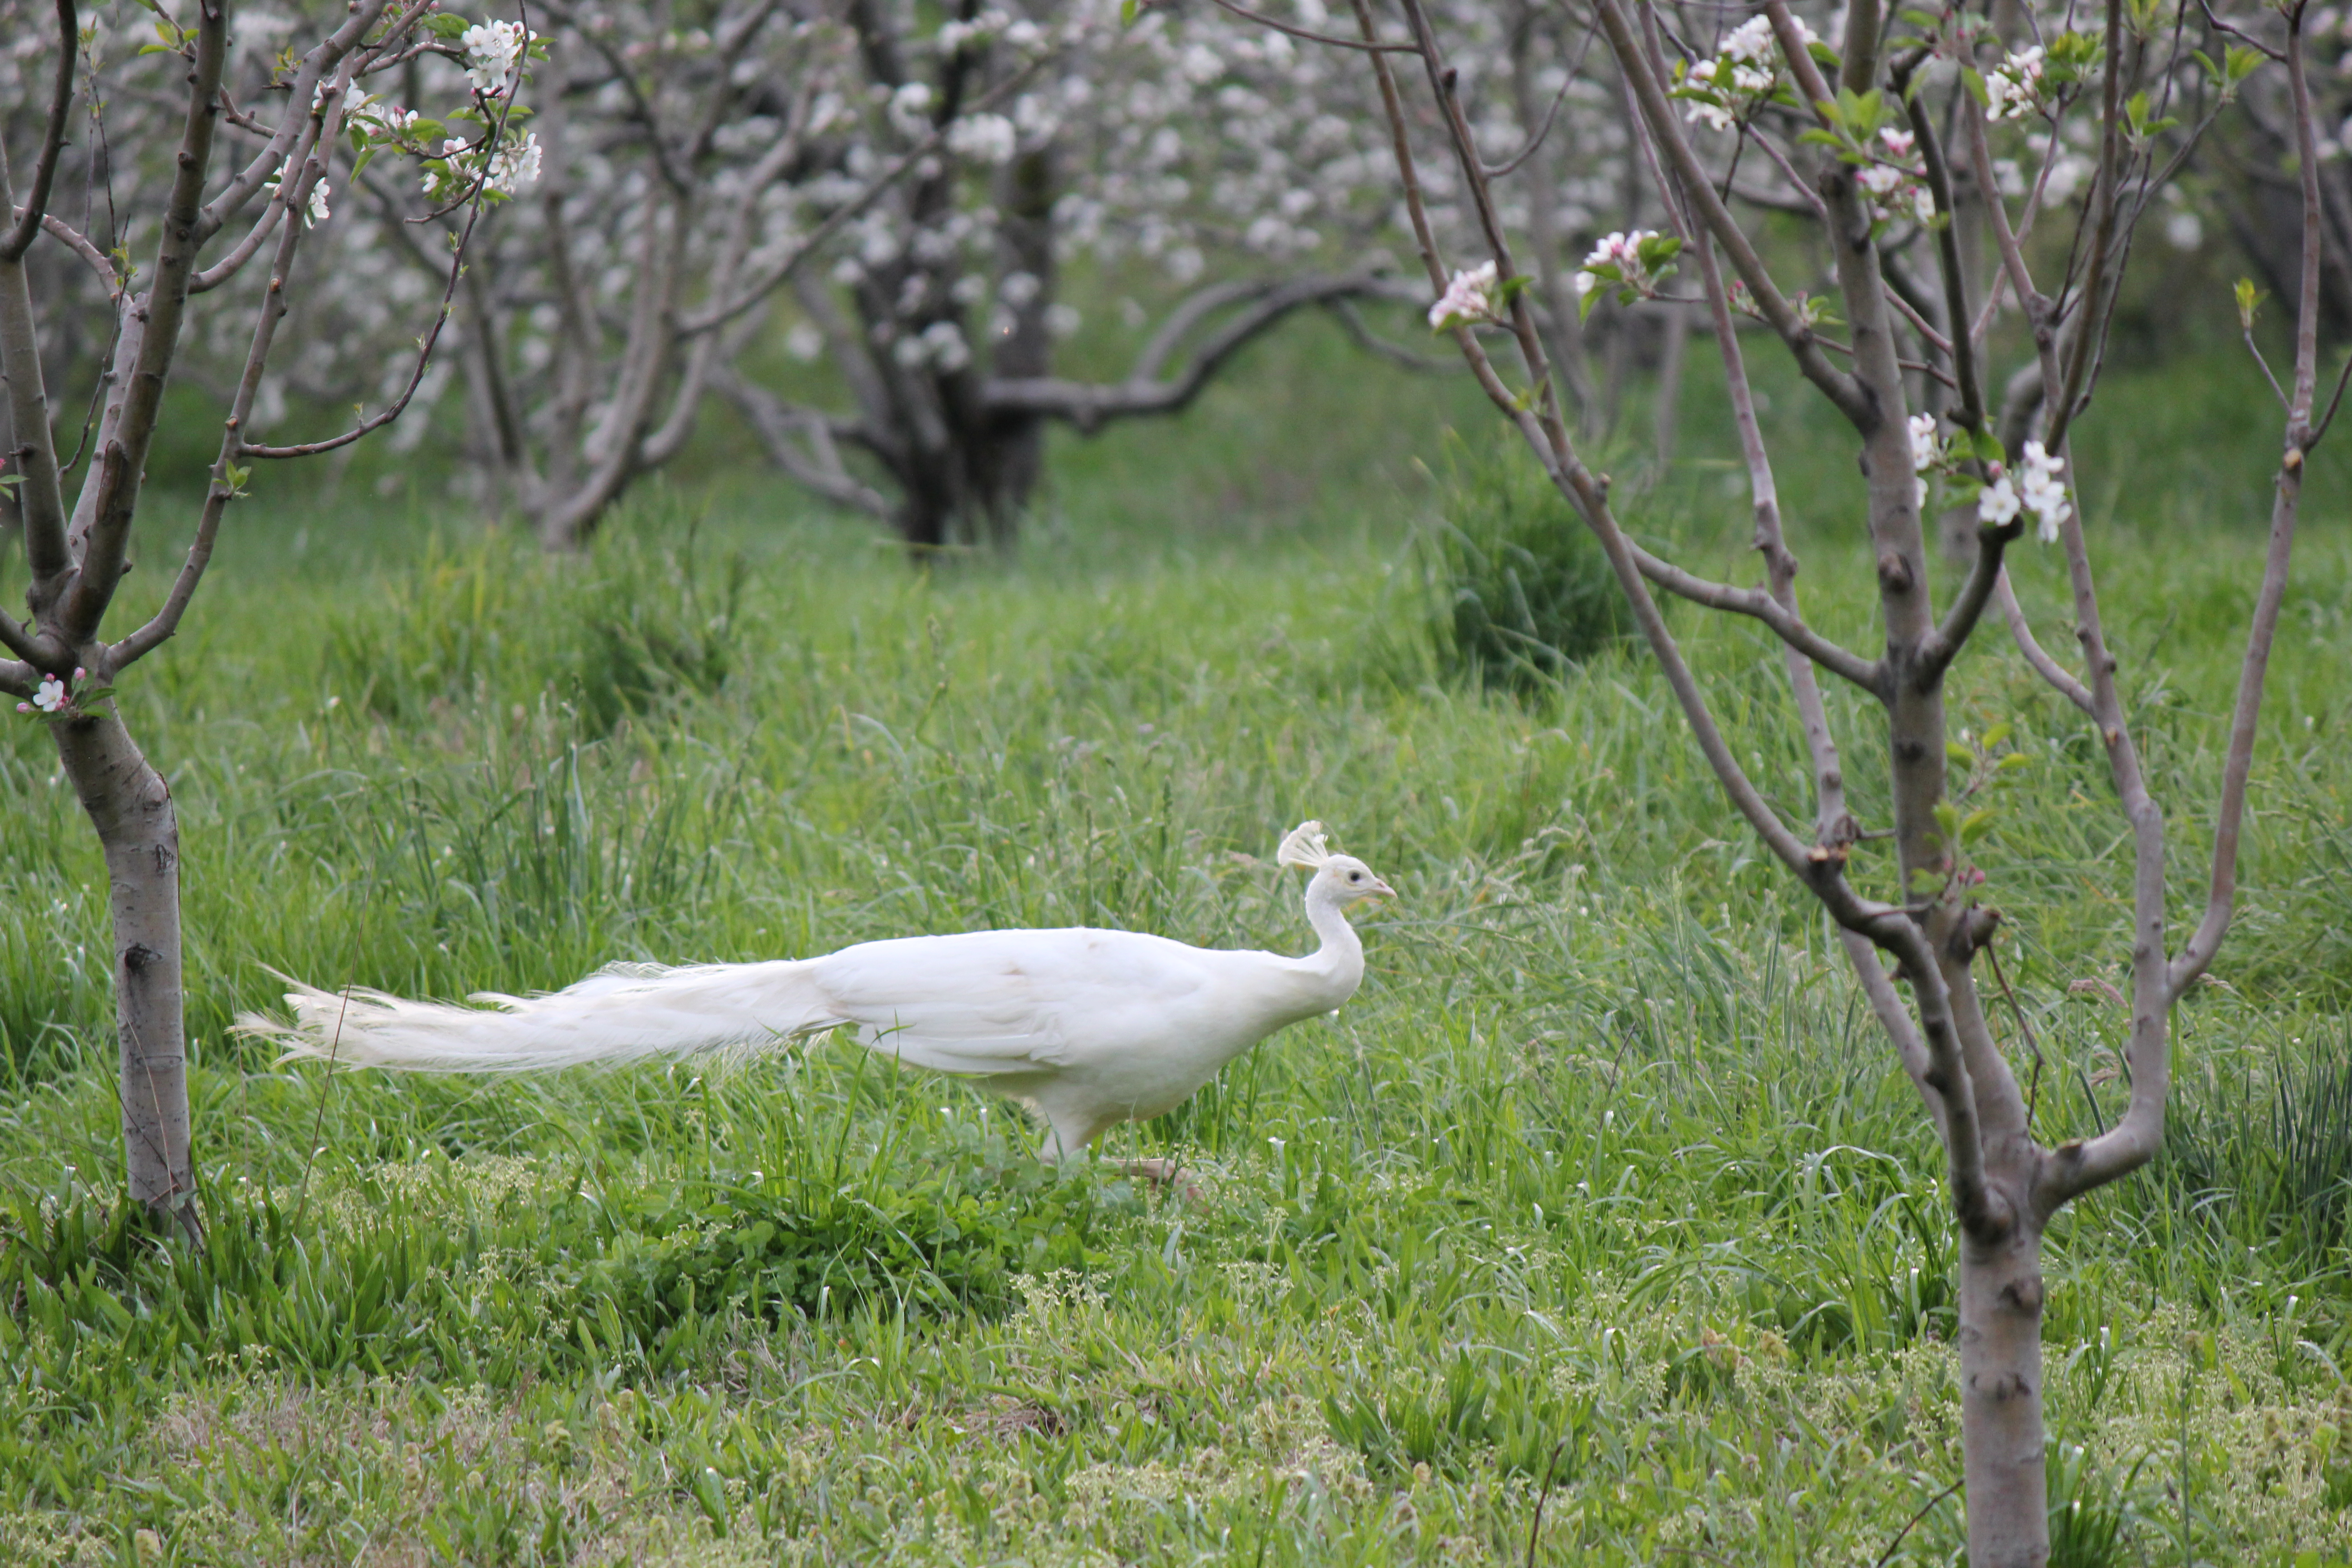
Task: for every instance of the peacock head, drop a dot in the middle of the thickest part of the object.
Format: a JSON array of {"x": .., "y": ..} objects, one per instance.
[{"x": 1342, "y": 878}]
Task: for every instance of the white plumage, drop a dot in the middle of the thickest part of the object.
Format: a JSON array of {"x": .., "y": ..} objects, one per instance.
[{"x": 1092, "y": 1027}]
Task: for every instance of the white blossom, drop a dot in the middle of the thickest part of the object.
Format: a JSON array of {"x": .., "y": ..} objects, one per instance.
[
  {"x": 1617, "y": 257},
  {"x": 944, "y": 345},
  {"x": 1469, "y": 297},
  {"x": 491, "y": 51},
  {"x": 515, "y": 168},
  {"x": 983, "y": 139},
  {"x": 1998, "y": 503},
  {"x": 2045, "y": 491},
  {"x": 50, "y": 695},
  {"x": 2014, "y": 87},
  {"x": 910, "y": 109},
  {"x": 1925, "y": 451}
]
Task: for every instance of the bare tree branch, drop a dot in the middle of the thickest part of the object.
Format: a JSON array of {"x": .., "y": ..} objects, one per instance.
[
  {"x": 759, "y": 287},
  {"x": 2049, "y": 669},
  {"x": 1373, "y": 46},
  {"x": 1840, "y": 387},
  {"x": 1760, "y": 605},
  {"x": 819, "y": 468},
  {"x": 1090, "y": 405},
  {"x": 27, "y": 219}
]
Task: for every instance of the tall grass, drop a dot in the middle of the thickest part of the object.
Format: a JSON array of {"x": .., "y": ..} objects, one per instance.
[{"x": 1604, "y": 1182}]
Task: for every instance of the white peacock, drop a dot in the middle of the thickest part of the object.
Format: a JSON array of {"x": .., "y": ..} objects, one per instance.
[{"x": 1089, "y": 1027}]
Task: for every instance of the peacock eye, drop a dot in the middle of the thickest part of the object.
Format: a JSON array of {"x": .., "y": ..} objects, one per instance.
[{"x": 1355, "y": 876}]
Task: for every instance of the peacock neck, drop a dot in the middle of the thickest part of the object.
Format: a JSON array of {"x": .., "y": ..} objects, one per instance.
[{"x": 1340, "y": 959}]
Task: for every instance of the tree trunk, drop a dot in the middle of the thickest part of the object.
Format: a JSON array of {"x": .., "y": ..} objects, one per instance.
[
  {"x": 131, "y": 806},
  {"x": 1009, "y": 449},
  {"x": 2000, "y": 1401}
]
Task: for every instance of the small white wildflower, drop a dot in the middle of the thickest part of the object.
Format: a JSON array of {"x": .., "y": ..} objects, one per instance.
[{"x": 804, "y": 342}]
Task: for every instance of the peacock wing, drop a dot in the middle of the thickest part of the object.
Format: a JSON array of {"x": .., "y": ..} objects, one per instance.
[{"x": 988, "y": 1003}]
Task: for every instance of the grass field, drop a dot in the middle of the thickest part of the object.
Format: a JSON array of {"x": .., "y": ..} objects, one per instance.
[{"x": 1602, "y": 1197}]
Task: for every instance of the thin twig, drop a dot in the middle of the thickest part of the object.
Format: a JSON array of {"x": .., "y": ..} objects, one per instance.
[
  {"x": 1373, "y": 48},
  {"x": 319, "y": 1120},
  {"x": 1888, "y": 1555},
  {"x": 1511, "y": 164},
  {"x": 2033, "y": 1089},
  {"x": 1535, "y": 1525},
  {"x": 2255, "y": 349}
]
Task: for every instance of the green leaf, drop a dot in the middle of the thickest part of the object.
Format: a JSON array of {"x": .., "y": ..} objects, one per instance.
[
  {"x": 445, "y": 25},
  {"x": 359, "y": 164},
  {"x": 2012, "y": 762},
  {"x": 1988, "y": 448},
  {"x": 2249, "y": 300},
  {"x": 1996, "y": 735},
  {"x": 1960, "y": 756},
  {"x": 1948, "y": 817},
  {"x": 1975, "y": 823},
  {"x": 1973, "y": 80}
]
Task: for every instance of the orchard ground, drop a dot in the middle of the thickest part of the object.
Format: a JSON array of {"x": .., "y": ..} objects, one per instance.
[{"x": 1603, "y": 1200}]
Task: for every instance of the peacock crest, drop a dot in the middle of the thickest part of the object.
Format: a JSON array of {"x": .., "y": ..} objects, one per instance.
[{"x": 1303, "y": 848}]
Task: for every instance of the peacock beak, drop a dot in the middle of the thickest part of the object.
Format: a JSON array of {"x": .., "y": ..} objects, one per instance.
[{"x": 1383, "y": 889}]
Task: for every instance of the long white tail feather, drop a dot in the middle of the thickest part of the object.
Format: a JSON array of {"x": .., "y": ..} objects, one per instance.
[{"x": 623, "y": 1013}]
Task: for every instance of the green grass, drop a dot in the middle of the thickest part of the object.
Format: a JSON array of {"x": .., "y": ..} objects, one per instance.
[{"x": 1603, "y": 1191}]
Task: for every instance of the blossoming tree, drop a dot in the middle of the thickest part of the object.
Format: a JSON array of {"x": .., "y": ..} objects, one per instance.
[
  {"x": 900, "y": 196},
  {"x": 291, "y": 119},
  {"x": 1876, "y": 135},
  {"x": 911, "y": 181}
]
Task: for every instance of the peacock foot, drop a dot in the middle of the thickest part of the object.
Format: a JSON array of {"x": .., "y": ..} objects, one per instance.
[{"x": 1166, "y": 1173}]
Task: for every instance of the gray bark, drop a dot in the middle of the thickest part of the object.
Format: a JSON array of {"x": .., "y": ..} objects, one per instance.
[{"x": 129, "y": 806}]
